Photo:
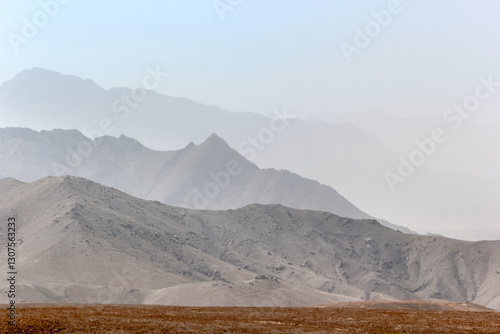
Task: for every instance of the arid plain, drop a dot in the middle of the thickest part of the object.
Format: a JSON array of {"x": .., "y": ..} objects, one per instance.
[{"x": 370, "y": 317}]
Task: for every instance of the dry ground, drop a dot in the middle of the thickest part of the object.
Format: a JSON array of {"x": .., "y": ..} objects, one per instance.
[{"x": 59, "y": 318}]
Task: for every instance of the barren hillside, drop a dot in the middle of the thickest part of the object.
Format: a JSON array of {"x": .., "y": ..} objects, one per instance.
[{"x": 80, "y": 241}]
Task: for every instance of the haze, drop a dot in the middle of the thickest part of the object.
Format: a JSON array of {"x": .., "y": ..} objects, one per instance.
[
  {"x": 242, "y": 56},
  {"x": 264, "y": 55}
]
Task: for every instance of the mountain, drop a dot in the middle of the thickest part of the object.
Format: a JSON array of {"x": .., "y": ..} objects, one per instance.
[
  {"x": 206, "y": 176},
  {"x": 159, "y": 121},
  {"x": 470, "y": 149},
  {"x": 42, "y": 99},
  {"x": 352, "y": 156},
  {"x": 458, "y": 184},
  {"x": 79, "y": 241}
]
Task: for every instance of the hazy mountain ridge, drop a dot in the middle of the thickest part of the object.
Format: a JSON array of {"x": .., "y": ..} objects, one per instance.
[
  {"x": 80, "y": 240},
  {"x": 343, "y": 156},
  {"x": 476, "y": 142},
  {"x": 178, "y": 178}
]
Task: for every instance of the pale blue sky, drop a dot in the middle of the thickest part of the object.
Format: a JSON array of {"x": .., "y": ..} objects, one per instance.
[{"x": 267, "y": 54}]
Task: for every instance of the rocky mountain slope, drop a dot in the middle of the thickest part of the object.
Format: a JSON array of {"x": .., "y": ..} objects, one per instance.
[{"x": 79, "y": 241}]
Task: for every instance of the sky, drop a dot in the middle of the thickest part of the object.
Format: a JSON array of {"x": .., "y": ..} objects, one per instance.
[{"x": 419, "y": 58}]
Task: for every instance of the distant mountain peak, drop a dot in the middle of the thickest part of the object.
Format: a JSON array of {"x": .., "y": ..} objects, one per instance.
[
  {"x": 129, "y": 140},
  {"x": 37, "y": 76},
  {"x": 213, "y": 138},
  {"x": 214, "y": 142}
]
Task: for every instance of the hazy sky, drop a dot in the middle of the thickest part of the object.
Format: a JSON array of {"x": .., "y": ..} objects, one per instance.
[{"x": 264, "y": 54}]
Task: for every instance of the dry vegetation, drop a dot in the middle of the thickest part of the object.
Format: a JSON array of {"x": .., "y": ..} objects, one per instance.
[{"x": 59, "y": 318}]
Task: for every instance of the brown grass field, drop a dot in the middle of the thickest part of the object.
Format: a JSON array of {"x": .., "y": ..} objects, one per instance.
[{"x": 70, "y": 318}]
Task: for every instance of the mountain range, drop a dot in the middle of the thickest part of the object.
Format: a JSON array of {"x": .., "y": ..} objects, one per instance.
[
  {"x": 79, "y": 241},
  {"x": 478, "y": 142},
  {"x": 207, "y": 176},
  {"x": 456, "y": 188}
]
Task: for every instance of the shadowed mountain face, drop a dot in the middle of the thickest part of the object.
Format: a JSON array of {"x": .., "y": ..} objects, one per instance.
[
  {"x": 206, "y": 176},
  {"x": 79, "y": 241}
]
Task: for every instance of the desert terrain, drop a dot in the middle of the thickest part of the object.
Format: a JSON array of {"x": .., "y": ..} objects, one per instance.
[
  {"x": 380, "y": 317},
  {"x": 233, "y": 166},
  {"x": 81, "y": 242}
]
